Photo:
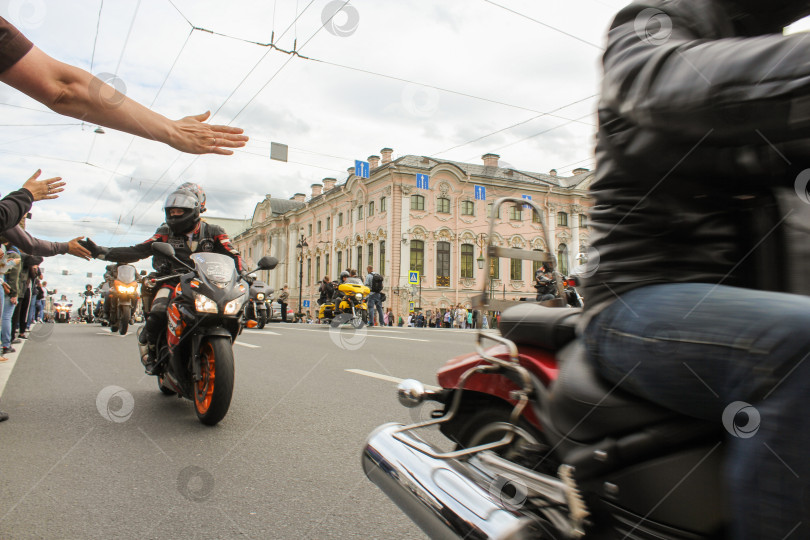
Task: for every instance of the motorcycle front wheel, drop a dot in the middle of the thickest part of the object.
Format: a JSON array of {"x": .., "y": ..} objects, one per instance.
[
  {"x": 123, "y": 319},
  {"x": 212, "y": 393},
  {"x": 262, "y": 320}
]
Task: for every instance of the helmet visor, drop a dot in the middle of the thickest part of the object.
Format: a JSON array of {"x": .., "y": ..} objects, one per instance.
[{"x": 181, "y": 200}]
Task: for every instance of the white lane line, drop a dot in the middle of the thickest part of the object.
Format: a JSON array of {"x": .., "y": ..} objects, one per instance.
[
  {"x": 388, "y": 378},
  {"x": 261, "y": 332},
  {"x": 247, "y": 345},
  {"x": 326, "y": 328}
]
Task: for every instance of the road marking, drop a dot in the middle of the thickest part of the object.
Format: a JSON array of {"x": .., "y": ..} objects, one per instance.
[
  {"x": 116, "y": 334},
  {"x": 261, "y": 332},
  {"x": 247, "y": 345},
  {"x": 327, "y": 328},
  {"x": 388, "y": 378},
  {"x": 8, "y": 365}
]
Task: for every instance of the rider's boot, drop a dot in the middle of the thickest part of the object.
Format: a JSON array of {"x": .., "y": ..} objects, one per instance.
[{"x": 149, "y": 360}]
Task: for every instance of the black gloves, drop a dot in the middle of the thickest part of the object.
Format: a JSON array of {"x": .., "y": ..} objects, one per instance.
[{"x": 96, "y": 251}]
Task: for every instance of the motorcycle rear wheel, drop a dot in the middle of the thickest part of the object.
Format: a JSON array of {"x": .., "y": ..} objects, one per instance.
[
  {"x": 212, "y": 393},
  {"x": 123, "y": 320}
]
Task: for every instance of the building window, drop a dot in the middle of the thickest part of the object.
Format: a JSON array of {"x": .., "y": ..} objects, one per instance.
[
  {"x": 371, "y": 209},
  {"x": 328, "y": 223},
  {"x": 340, "y": 219},
  {"x": 309, "y": 270},
  {"x": 443, "y": 205},
  {"x": 348, "y": 259},
  {"x": 360, "y": 212},
  {"x": 339, "y": 261},
  {"x": 383, "y": 204},
  {"x": 309, "y": 229},
  {"x": 583, "y": 221},
  {"x": 359, "y": 260},
  {"x": 467, "y": 261},
  {"x": 562, "y": 219},
  {"x": 489, "y": 211},
  {"x": 467, "y": 208},
  {"x": 495, "y": 268},
  {"x": 515, "y": 213},
  {"x": 318, "y": 227},
  {"x": 382, "y": 256},
  {"x": 417, "y": 254},
  {"x": 443, "y": 264},
  {"x": 562, "y": 259},
  {"x": 371, "y": 254},
  {"x": 515, "y": 269},
  {"x": 326, "y": 265},
  {"x": 318, "y": 275},
  {"x": 417, "y": 202},
  {"x": 536, "y": 265},
  {"x": 536, "y": 217}
]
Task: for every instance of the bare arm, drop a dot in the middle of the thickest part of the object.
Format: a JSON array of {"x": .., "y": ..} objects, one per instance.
[{"x": 74, "y": 92}]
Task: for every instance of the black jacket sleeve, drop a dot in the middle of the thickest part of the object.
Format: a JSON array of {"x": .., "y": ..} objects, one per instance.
[
  {"x": 13, "y": 208},
  {"x": 137, "y": 252}
]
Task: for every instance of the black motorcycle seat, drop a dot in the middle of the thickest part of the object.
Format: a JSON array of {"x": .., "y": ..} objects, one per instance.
[
  {"x": 584, "y": 408},
  {"x": 549, "y": 328}
]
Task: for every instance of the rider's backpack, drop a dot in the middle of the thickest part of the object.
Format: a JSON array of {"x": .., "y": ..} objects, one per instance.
[{"x": 376, "y": 282}]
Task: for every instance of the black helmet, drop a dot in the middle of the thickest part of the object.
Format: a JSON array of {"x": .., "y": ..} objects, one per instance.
[
  {"x": 190, "y": 205},
  {"x": 760, "y": 16},
  {"x": 344, "y": 274}
]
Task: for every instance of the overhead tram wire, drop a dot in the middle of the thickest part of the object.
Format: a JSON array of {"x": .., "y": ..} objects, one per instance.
[
  {"x": 546, "y": 25},
  {"x": 95, "y": 40}
]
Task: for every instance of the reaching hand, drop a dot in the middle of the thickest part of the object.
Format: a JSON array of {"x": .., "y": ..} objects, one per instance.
[
  {"x": 92, "y": 248},
  {"x": 76, "y": 249},
  {"x": 194, "y": 136},
  {"x": 44, "y": 189}
]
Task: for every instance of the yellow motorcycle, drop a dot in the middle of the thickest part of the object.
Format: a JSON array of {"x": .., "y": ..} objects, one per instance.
[{"x": 347, "y": 306}]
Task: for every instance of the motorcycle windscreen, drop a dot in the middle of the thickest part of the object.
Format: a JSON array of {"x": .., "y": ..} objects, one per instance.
[
  {"x": 127, "y": 273},
  {"x": 219, "y": 269}
]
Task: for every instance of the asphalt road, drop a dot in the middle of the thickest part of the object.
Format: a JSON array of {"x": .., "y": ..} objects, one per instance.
[{"x": 94, "y": 450}]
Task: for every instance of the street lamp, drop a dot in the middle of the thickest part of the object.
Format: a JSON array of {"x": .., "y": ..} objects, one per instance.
[
  {"x": 480, "y": 260},
  {"x": 302, "y": 244}
]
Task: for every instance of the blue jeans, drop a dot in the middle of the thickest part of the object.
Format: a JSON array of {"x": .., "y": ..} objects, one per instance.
[
  {"x": 700, "y": 349},
  {"x": 374, "y": 300},
  {"x": 7, "y": 309}
]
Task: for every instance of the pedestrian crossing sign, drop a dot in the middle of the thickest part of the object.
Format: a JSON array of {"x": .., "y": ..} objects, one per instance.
[
  {"x": 413, "y": 277},
  {"x": 410, "y": 307}
]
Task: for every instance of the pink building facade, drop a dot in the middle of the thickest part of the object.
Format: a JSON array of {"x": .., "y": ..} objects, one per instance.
[{"x": 389, "y": 223}]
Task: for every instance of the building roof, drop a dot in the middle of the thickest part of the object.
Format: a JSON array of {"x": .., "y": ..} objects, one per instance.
[
  {"x": 281, "y": 206},
  {"x": 232, "y": 226}
]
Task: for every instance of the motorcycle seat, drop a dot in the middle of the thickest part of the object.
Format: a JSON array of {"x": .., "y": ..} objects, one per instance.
[
  {"x": 586, "y": 408},
  {"x": 549, "y": 328}
]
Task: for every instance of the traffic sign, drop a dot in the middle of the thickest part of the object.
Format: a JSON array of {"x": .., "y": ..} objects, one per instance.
[
  {"x": 480, "y": 193},
  {"x": 306, "y": 303},
  {"x": 528, "y": 198},
  {"x": 422, "y": 181},
  {"x": 361, "y": 168},
  {"x": 410, "y": 307},
  {"x": 413, "y": 277}
]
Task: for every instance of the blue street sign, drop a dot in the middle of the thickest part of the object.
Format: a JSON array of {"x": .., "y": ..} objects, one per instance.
[
  {"x": 306, "y": 303},
  {"x": 480, "y": 193},
  {"x": 527, "y": 197},
  {"x": 361, "y": 168},
  {"x": 413, "y": 277},
  {"x": 422, "y": 181}
]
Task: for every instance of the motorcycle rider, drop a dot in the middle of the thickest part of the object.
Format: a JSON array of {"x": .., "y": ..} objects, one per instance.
[
  {"x": 88, "y": 293},
  {"x": 699, "y": 224},
  {"x": 187, "y": 234},
  {"x": 544, "y": 285}
]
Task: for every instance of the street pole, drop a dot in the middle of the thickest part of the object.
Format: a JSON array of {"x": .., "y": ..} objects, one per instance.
[{"x": 301, "y": 245}]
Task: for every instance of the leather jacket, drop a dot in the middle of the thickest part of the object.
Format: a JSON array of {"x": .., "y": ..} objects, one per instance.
[{"x": 698, "y": 153}]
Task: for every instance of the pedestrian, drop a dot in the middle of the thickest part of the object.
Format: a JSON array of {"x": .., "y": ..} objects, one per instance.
[
  {"x": 448, "y": 318},
  {"x": 484, "y": 322},
  {"x": 283, "y": 296},
  {"x": 400, "y": 321},
  {"x": 11, "y": 263},
  {"x": 390, "y": 317},
  {"x": 470, "y": 319},
  {"x": 374, "y": 282},
  {"x": 475, "y": 318}
]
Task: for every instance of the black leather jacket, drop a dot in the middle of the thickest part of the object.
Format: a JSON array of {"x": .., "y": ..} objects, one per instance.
[{"x": 698, "y": 153}]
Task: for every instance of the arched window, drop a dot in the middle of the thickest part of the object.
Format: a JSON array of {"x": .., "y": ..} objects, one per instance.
[
  {"x": 417, "y": 202},
  {"x": 328, "y": 223},
  {"x": 340, "y": 219},
  {"x": 359, "y": 260},
  {"x": 309, "y": 270},
  {"x": 370, "y": 255},
  {"x": 382, "y": 257},
  {"x": 495, "y": 268},
  {"x": 418, "y": 254},
  {"x": 467, "y": 261},
  {"x": 326, "y": 266},
  {"x": 467, "y": 208},
  {"x": 443, "y": 205},
  {"x": 339, "y": 268},
  {"x": 562, "y": 259},
  {"x": 318, "y": 275},
  {"x": 443, "y": 264}
]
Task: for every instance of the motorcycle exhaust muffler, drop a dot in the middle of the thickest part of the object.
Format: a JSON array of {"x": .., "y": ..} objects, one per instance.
[{"x": 439, "y": 495}]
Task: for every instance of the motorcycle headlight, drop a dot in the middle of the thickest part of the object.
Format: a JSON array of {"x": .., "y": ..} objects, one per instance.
[
  {"x": 203, "y": 304},
  {"x": 260, "y": 296},
  {"x": 123, "y": 289},
  {"x": 233, "y": 307},
  {"x": 358, "y": 296}
]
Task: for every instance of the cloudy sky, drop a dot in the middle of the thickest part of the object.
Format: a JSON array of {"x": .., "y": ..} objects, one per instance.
[{"x": 423, "y": 77}]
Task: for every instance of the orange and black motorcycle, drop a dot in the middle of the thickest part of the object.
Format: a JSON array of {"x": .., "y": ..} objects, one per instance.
[{"x": 195, "y": 351}]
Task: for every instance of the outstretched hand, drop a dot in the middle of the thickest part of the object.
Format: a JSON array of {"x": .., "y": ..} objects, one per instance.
[
  {"x": 76, "y": 249},
  {"x": 194, "y": 136},
  {"x": 92, "y": 248},
  {"x": 44, "y": 189}
]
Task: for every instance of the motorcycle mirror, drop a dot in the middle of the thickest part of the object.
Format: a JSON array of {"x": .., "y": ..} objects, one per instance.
[
  {"x": 267, "y": 263},
  {"x": 162, "y": 248},
  {"x": 143, "y": 272}
]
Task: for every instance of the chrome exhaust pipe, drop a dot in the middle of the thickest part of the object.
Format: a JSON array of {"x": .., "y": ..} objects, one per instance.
[{"x": 439, "y": 495}]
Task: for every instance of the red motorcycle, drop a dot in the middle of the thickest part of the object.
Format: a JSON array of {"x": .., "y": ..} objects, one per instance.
[{"x": 541, "y": 446}]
